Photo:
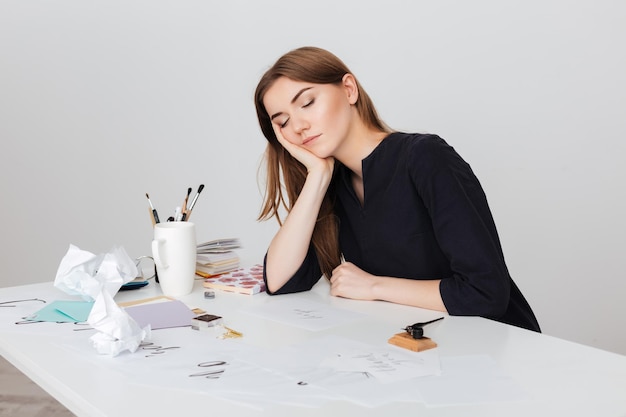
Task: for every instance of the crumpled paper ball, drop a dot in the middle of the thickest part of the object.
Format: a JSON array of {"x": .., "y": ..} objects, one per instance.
[{"x": 98, "y": 278}]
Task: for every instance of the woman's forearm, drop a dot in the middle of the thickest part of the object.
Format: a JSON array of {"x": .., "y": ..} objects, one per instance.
[
  {"x": 418, "y": 293},
  {"x": 350, "y": 281},
  {"x": 290, "y": 245}
]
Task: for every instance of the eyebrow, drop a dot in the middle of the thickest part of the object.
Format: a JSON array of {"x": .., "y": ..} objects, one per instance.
[{"x": 293, "y": 100}]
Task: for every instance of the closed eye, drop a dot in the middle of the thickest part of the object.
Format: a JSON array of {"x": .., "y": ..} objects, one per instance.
[{"x": 305, "y": 105}]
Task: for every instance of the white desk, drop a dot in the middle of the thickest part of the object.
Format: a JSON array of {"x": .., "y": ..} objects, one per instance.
[{"x": 562, "y": 378}]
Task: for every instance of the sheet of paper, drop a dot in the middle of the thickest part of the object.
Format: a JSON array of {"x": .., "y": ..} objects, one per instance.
[
  {"x": 303, "y": 313},
  {"x": 261, "y": 378},
  {"x": 385, "y": 364},
  {"x": 162, "y": 315},
  {"x": 13, "y": 317},
  {"x": 472, "y": 379},
  {"x": 304, "y": 363},
  {"x": 14, "y": 308},
  {"x": 61, "y": 311},
  {"x": 314, "y": 362},
  {"x": 171, "y": 356}
]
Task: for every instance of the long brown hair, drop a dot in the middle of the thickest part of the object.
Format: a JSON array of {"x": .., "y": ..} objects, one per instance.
[{"x": 318, "y": 66}]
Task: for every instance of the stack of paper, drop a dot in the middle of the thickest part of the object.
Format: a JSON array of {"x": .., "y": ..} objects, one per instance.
[
  {"x": 210, "y": 264},
  {"x": 216, "y": 257},
  {"x": 219, "y": 245}
]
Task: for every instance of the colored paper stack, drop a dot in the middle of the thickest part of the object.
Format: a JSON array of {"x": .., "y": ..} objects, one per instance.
[
  {"x": 211, "y": 264},
  {"x": 217, "y": 257}
]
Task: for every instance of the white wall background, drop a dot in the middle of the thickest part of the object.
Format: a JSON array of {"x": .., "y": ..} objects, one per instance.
[{"x": 103, "y": 101}]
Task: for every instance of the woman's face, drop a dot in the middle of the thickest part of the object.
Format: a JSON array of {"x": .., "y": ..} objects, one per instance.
[{"x": 317, "y": 117}]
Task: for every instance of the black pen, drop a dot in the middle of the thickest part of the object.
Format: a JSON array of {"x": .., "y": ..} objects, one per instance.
[
  {"x": 417, "y": 330},
  {"x": 426, "y": 322}
]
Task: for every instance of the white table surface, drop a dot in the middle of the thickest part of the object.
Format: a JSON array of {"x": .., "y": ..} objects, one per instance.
[{"x": 562, "y": 378}]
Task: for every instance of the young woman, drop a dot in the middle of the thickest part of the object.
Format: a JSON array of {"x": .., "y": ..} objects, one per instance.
[{"x": 384, "y": 215}]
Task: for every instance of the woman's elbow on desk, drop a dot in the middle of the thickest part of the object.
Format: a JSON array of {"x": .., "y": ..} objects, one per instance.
[
  {"x": 271, "y": 287},
  {"x": 274, "y": 277},
  {"x": 463, "y": 298}
]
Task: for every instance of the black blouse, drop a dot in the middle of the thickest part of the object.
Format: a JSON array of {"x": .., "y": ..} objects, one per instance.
[{"x": 424, "y": 216}]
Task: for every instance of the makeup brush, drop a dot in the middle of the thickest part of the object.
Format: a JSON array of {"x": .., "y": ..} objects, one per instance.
[
  {"x": 193, "y": 202},
  {"x": 185, "y": 204},
  {"x": 154, "y": 212}
]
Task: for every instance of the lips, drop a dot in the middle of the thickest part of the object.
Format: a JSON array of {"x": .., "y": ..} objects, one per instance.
[{"x": 310, "y": 139}]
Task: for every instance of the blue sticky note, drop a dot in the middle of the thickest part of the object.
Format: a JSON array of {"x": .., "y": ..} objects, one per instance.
[{"x": 64, "y": 312}]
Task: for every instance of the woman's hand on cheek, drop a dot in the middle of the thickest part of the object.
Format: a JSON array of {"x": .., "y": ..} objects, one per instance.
[
  {"x": 312, "y": 162},
  {"x": 350, "y": 281}
]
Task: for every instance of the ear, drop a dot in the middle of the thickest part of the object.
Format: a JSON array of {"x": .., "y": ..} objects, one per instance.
[{"x": 350, "y": 87}]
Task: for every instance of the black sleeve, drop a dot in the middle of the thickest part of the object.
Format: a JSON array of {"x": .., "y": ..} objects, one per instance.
[
  {"x": 464, "y": 228},
  {"x": 305, "y": 277}
]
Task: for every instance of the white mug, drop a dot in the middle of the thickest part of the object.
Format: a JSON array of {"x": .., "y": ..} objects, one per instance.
[{"x": 174, "y": 253}]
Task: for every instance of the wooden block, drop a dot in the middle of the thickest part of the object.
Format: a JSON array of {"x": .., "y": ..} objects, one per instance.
[{"x": 406, "y": 341}]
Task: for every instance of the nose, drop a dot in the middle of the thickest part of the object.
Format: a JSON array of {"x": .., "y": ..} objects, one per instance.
[{"x": 299, "y": 124}]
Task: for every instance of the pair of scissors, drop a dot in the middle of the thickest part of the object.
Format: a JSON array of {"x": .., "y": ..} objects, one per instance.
[{"x": 210, "y": 374}]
